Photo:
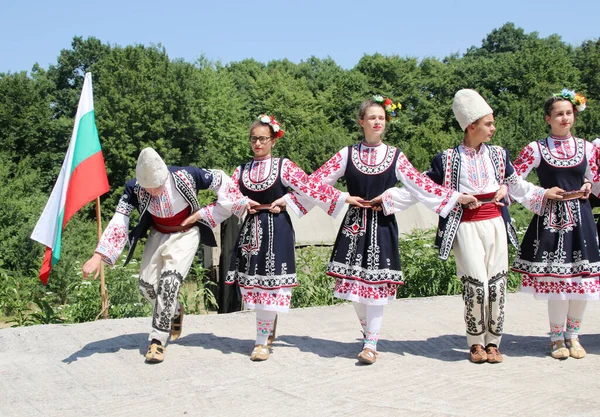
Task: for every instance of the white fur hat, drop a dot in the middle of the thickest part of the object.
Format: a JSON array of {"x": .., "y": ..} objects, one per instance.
[
  {"x": 469, "y": 107},
  {"x": 151, "y": 171}
]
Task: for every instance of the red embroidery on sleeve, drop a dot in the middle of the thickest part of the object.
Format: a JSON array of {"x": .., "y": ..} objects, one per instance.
[{"x": 524, "y": 160}]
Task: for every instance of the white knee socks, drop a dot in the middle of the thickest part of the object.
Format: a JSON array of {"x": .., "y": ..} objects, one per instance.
[
  {"x": 574, "y": 318},
  {"x": 265, "y": 321},
  {"x": 372, "y": 327},
  {"x": 570, "y": 311}
]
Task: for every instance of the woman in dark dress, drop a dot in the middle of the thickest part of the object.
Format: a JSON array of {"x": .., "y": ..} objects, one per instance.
[
  {"x": 560, "y": 259},
  {"x": 263, "y": 261}
]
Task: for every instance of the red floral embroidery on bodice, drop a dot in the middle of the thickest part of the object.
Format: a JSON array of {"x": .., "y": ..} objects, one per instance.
[{"x": 477, "y": 168}]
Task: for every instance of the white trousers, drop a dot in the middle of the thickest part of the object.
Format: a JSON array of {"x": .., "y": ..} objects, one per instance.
[
  {"x": 166, "y": 261},
  {"x": 481, "y": 253}
]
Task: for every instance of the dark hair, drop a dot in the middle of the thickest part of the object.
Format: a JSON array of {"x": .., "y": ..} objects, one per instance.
[
  {"x": 257, "y": 123},
  {"x": 549, "y": 104}
]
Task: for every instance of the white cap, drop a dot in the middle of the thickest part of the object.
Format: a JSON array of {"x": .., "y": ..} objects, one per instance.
[
  {"x": 469, "y": 107},
  {"x": 151, "y": 171}
]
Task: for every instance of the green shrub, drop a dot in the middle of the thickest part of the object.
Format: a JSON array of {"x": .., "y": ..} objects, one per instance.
[
  {"x": 198, "y": 292},
  {"x": 424, "y": 274},
  {"x": 315, "y": 287}
]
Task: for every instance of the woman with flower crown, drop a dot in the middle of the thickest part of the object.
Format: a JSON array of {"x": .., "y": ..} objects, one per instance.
[
  {"x": 263, "y": 262},
  {"x": 560, "y": 259},
  {"x": 365, "y": 260}
]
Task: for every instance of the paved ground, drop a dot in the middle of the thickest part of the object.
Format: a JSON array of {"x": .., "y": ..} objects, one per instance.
[{"x": 97, "y": 369}]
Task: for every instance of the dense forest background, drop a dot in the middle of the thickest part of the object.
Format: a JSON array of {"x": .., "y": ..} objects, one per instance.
[{"x": 198, "y": 113}]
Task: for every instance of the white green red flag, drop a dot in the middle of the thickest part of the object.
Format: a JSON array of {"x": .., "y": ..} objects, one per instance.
[{"x": 82, "y": 179}]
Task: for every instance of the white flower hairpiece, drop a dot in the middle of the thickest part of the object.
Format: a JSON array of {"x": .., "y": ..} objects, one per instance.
[{"x": 270, "y": 120}]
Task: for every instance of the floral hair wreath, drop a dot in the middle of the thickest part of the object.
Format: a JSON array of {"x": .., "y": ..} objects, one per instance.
[
  {"x": 389, "y": 106},
  {"x": 270, "y": 120},
  {"x": 577, "y": 100}
]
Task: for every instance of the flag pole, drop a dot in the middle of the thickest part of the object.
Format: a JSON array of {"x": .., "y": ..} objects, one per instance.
[{"x": 103, "y": 294}]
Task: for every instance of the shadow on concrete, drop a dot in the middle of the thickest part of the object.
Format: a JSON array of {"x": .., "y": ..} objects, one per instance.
[
  {"x": 322, "y": 347},
  {"x": 137, "y": 341},
  {"x": 447, "y": 348},
  {"x": 223, "y": 344}
]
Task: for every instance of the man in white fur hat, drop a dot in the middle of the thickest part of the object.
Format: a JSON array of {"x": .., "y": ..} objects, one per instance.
[{"x": 166, "y": 198}]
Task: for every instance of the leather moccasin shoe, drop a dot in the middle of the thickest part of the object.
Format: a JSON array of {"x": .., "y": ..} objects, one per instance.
[
  {"x": 260, "y": 353},
  {"x": 575, "y": 349},
  {"x": 493, "y": 354},
  {"x": 155, "y": 354},
  {"x": 558, "y": 350},
  {"x": 367, "y": 356},
  {"x": 477, "y": 354}
]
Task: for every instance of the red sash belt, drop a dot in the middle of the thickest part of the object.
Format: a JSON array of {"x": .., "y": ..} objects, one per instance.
[
  {"x": 485, "y": 212},
  {"x": 172, "y": 224}
]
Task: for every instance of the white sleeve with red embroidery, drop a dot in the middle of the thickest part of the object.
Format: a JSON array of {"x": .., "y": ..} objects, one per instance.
[
  {"x": 529, "y": 195},
  {"x": 113, "y": 239},
  {"x": 310, "y": 191},
  {"x": 397, "y": 199},
  {"x": 528, "y": 159},
  {"x": 328, "y": 174},
  {"x": 420, "y": 186},
  {"x": 229, "y": 200}
]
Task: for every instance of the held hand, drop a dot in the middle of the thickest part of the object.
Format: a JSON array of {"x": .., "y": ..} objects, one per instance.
[
  {"x": 469, "y": 201},
  {"x": 192, "y": 219},
  {"x": 249, "y": 205},
  {"x": 554, "y": 193},
  {"x": 587, "y": 187},
  {"x": 377, "y": 203},
  {"x": 500, "y": 194},
  {"x": 277, "y": 204},
  {"x": 356, "y": 201},
  {"x": 92, "y": 266}
]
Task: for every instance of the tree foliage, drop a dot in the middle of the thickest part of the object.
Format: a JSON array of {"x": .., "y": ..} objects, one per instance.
[{"x": 199, "y": 113}]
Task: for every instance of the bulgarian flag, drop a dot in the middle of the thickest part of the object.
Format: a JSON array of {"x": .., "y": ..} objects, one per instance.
[{"x": 82, "y": 179}]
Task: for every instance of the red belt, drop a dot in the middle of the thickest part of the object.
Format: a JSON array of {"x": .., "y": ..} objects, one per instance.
[
  {"x": 485, "y": 212},
  {"x": 172, "y": 229},
  {"x": 172, "y": 224}
]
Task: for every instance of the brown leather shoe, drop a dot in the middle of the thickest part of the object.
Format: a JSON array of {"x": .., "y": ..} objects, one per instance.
[
  {"x": 367, "y": 356},
  {"x": 477, "y": 354},
  {"x": 155, "y": 354},
  {"x": 493, "y": 354},
  {"x": 575, "y": 349},
  {"x": 260, "y": 353},
  {"x": 558, "y": 350}
]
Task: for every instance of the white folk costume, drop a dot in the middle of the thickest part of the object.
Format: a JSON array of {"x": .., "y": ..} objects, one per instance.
[
  {"x": 559, "y": 258},
  {"x": 263, "y": 260},
  {"x": 365, "y": 260},
  {"x": 170, "y": 248},
  {"x": 480, "y": 237}
]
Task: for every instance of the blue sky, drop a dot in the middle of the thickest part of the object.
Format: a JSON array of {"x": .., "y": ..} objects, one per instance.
[{"x": 232, "y": 30}]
